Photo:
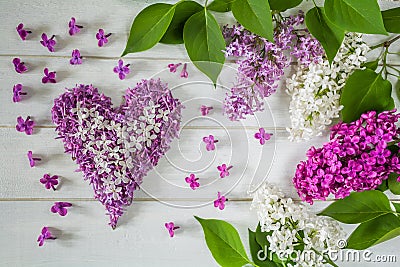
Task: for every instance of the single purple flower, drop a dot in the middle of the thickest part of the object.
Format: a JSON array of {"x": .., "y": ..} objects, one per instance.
[
  {"x": 220, "y": 201},
  {"x": 74, "y": 28},
  {"x": 46, "y": 234},
  {"x": 32, "y": 160},
  {"x": 60, "y": 208},
  {"x": 103, "y": 39},
  {"x": 49, "y": 76},
  {"x": 223, "y": 170},
  {"x": 17, "y": 92},
  {"x": 205, "y": 110},
  {"x": 192, "y": 181},
  {"x": 210, "y": 142},
  {"x": 184, "y": 73},
  {"x": 49, "y": 43},
  {"x": 49, "y": 182},
  {"x": 22, "y": 32},
  {"x": 19, "y": 66},
  {"x": 263, "y": 136},
  {"x": 122, "y": 70},
  {"x": 173, "y": 67},
  {"x": 171, "y": 228},
  {"x": 25, "y": 125},
  {"x": 76, "y": 57}
]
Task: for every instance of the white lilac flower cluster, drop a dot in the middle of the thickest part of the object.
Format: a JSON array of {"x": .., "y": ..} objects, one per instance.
[
  {"x": 292, "y": 226},
  {"x": 315, "y": 90}
]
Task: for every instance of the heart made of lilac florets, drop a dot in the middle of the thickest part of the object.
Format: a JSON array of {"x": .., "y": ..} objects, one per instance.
[{"x": 116, "y": 147}]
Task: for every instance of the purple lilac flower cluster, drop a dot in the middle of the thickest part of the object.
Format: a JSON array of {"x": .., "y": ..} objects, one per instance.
[
  {"x": 357, "y": 158},
  {"x": 261, "y": 63},
  {"x": 116, "y": 147}
]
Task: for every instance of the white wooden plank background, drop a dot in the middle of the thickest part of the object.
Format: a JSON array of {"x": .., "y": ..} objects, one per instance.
[{"x": 85, "y": 239}]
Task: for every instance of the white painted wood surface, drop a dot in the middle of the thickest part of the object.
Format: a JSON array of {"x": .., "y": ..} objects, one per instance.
[{"x": 85, "y": 239}]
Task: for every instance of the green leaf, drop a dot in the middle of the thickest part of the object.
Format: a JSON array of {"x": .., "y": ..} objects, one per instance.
[
  {"x": 255, "y": 16},
  {"x": 372, "y": 65},
  {"x": 355, "y": 15},
  {"x": 396, "y": 206},
  {"x": 280, "y": 5},
  {"x": 204, "y": 43},
  {"x": 365, "y": 90},
  {"x": 220, "y": 5},
  {"x": 391, "y": 19},
  {"x": 258, "y": 257},
  {"x": 149, "y": 27},
  {"x": 374, "y": 232},
  {"x": 327, "y": 33},
  {"x": 183, "y": 11},
  {"x": 359, "y": 207},
  {"x": 383, "y": 186},
  {"x": 393, "y": 184},
  {"x": 261, "y": 237},
  {"x": 224, "y": 243}
]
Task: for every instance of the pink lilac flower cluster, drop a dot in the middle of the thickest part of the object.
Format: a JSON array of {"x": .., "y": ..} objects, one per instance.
[
  {"x": 261, "y": 63},
  {"x": 358, "y": 157},
  {"x": 116, "y": 147}
]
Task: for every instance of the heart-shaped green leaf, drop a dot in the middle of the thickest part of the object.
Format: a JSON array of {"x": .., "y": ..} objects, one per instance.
[
  {"x": 224, "y": 242},
  {"x": 393, "y": 184},
  {"x": 220, "y": 5},
  {"x": 359, "y": 207},
  {"x": 149, "y": 27},
  {"x": 375, "y": 231},
  {"x": 391, "y": 19},
  {"x": 280, "y": 5},
  {"x": 355, "y": 15},
  {"x": 183, "y": 11},
  {"x": 204, "y": 43},
  {"x": 365, "y": 90},
  {"x": 328, "y": 34},
  {"x": 255, "y": 16}
]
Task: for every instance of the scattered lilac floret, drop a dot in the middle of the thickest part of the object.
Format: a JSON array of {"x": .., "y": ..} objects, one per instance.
[
  {"x": 173, "y": 67},
  {"x": 210, "y": 142},
  {"x": 17, "y": 92},
  {"x": 184, "y": 73},
  {"x": 60, "y": 208},
  {"x": 23, "y": 33},
  {"x": 192, "y": 181},
  {"x": 224, "y": 170},
  {"x": 45, "y": 235},
  {"x": 171, "y": 228},
  {"x": 49, "y": 77},
  {"x": 32, "y": 160},
  {"x": 76, "y": 57},
  {"x": 49, "y": 181},
  {"x": 19, "y": 66},
  {"x": 102, "y": 39},
  {"x": 205, "y": 110},
  {"x": 73, "y": 27},
  {"x": 122, "y": 70},
  {"x": 25, "y": 125},
  {"x": 49, "y": 43},
  {"x": 220, "y": 201},
  {"x": 262, "y": 136}
]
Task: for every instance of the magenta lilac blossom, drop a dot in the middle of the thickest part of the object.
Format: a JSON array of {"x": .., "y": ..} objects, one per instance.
[
  {"x": 23, "y": 33},
  {"x": 32, "y": 160},
  {"x": 358, "y": 157},
  {"x": 262, "y": 136},
  {"x": 220, "y": 201},
  {"x": 115, "y": 147},
  {"x": 102, "y": 38},
  {"x": 224, "y": 170},
  {"x": 210, "y": 142},
  {"x": 49, "y": 77},
  {"x": 60, "y": 208},
  {"x": 192, "y": 181},
  {"x": 205, "y": 110},
  {"x": 17, "y": 92},
  {"x": 49, "y": 181},
  {"x": 122, "y": 70},
  {"x": 25, "y": 125},
  {"x": 76, "y": 57},
  {"x": 171, "y": 228},
  {"x": 45, "y": 235},
  {"x": 173, "y": 67},
  {"x": 49, "y": 43},
  {"x": 73, "y": 27},
  {"x": 19, "y": 66},
  {"x": 184, "y": 73}
]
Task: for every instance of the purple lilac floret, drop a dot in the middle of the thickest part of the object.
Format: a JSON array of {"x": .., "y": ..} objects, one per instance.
[
  {"x": 49, "y": 43},
  {"x": 171, "y": 228},
  {"x": 115, "y": 147},
  {"x": 73, "y": 27},
  {"x": 184, "y": 73},
  {"x": 102, "y": 38},
  {"x": 60, "y": 208},
  {"x": 121, "y": 69},
  {"x": 173, "y": 67},
  {"x": 32, "y": 160},
  {"x": 23, "y": 33},
  {"x": 44, "y": 235},
  {"x": 205, "y": 110},
  {"x": 358, "y": 157},
  {"x": 76, "y": 57},
  {"x": 192, "y": 180},
  {"x": 49, "y": 181},
  {"x": 220, "y": 201},
  {"x": 210, "y": 142},
  {"x": 19, "y": 66},
  {"x": 262, "y": 135},
  {"x": 25, "y": 125},
  {"x": 261, "y": 64},
  {"x": 17, "y": 92},
  {"x": 49, "y": 77},
  {"x": 224, "y": 170}
]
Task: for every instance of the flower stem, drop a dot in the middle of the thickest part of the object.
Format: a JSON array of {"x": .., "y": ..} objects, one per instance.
[{"x": 386, "y": 43}]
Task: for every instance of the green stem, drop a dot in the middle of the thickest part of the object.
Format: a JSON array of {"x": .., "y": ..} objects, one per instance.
[
  {"x": 386, "y": 43},
  {"x": 314, "y": 3},
  {"x": 205, "y": 5}
]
